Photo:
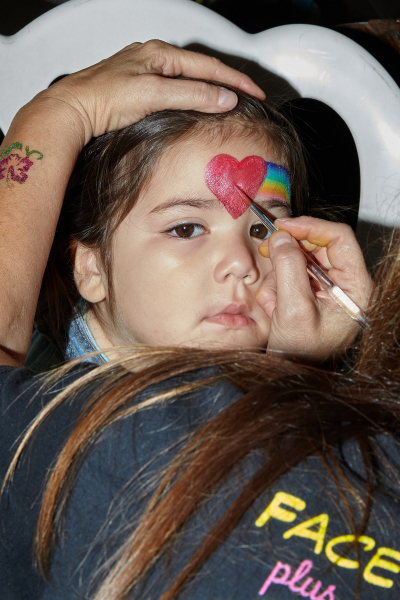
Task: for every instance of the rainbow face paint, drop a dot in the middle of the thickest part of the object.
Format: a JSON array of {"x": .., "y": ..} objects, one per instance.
[
  {"x": 277, "y": 183},
  {"x": 227, "y": 179}
]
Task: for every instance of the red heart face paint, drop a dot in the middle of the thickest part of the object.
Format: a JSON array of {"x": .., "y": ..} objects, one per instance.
[{"x": 225, "y": 175}]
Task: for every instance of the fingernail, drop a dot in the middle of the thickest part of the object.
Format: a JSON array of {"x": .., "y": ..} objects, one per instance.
[
  {"x": 266, "y": 304},
  {"x": 282, "y": 220},
  {"x": 279, "y": 238},
  {"x": 261, "y": 298},
  {"x": 263, "y": 250},
  {"x": 226, "y": 99}
]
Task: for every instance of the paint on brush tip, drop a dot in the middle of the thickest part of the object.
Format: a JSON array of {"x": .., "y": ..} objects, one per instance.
[{"x": 227, "y": 179}]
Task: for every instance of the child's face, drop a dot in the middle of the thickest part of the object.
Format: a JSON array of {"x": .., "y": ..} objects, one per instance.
[{"x": 185, "y": 273}]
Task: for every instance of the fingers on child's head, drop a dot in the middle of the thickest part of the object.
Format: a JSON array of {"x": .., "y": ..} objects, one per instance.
[
  {"x": 183, "y": 94},
  {"x": 201, "y": 66},
  {"x": 164, "y": 59}
]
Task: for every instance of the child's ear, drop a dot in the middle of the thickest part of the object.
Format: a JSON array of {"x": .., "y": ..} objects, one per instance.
[{"x": 89, "y": 277}]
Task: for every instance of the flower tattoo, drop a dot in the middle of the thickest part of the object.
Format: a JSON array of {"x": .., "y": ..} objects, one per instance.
[{"x": 14, "y": 166}]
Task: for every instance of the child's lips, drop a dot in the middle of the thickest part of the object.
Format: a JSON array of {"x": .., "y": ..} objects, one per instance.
[{"x": 233, "y": 316}]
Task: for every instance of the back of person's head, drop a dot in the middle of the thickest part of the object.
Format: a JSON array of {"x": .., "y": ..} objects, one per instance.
[{"x": 114, "y": 169}]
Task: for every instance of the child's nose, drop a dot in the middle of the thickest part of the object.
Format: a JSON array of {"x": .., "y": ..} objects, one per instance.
[{"x": 237, "y": 260}]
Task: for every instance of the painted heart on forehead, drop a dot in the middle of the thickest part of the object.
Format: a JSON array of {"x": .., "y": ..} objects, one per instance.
[{"x": 225, "y": 175}]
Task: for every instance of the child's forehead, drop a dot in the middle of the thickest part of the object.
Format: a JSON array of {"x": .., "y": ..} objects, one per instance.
[
  {"x": 196, "y": 152},
  {"x": 180, "y": 173}
]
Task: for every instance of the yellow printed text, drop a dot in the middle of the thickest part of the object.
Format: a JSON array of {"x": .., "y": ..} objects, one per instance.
[
  {"x": 304, "y": 530},
  {"x": 275, "y": 510},
  {"x": 346, "y": 563},
  {"x": 377, "y": 561}
]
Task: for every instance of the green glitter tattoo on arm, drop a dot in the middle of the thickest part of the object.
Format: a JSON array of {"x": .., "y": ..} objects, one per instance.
[
  {"x": 13, "y": 166},
  {"x": 14, "y": 146},
  {"x": 32, "y": 151}
]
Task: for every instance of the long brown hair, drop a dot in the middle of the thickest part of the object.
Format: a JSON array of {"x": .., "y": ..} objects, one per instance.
[
  {"x": 113, "y": 170},
  {"x": 288, "y": 410}
]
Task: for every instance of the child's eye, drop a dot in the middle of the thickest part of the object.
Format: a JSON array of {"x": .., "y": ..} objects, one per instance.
[
  {"x": 259, "y": 231},
  {"x": 187, "y": 230}
]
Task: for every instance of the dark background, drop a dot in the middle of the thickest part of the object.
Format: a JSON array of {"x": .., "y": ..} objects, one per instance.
[{"x": 250, "y": 15}]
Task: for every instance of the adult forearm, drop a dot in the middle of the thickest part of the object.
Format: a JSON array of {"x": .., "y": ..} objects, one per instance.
[{"x": 45, "y": 138}]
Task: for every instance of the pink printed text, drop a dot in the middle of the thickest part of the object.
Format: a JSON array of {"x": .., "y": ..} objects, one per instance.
[{"x": 281, "y": 574}]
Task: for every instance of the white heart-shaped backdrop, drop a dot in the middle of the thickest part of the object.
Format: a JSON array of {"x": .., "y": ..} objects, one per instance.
[{"x": 295, "y": 60}]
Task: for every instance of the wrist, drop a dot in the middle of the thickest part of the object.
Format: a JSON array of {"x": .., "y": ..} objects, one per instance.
[{"x": 53, "y": 121}]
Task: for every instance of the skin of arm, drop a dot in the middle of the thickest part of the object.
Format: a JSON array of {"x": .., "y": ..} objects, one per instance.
[
  {"x": 57, "y": 123},
  {"x": 29, "y": 214}
]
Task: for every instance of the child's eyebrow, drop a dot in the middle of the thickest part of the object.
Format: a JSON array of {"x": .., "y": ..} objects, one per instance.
[
  {"x": 193, "y": 202},
  {"x": 269, "y": 203},
  {"x": 212, "y": 203}
]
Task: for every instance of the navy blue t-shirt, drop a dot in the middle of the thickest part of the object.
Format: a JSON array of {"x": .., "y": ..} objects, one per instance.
[{"x": 290, "y": 543}]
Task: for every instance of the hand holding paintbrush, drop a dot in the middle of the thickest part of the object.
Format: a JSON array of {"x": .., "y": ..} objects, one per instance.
[{"x": 317, "y": 272}]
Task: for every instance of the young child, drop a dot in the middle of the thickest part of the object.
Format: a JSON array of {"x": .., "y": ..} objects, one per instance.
[{"x": 145, "y": 253}]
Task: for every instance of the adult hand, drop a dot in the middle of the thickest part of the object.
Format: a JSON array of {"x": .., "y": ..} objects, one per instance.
[
  {"x": 305, "y": 321},
  {"x": 137, "y": 81}
]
